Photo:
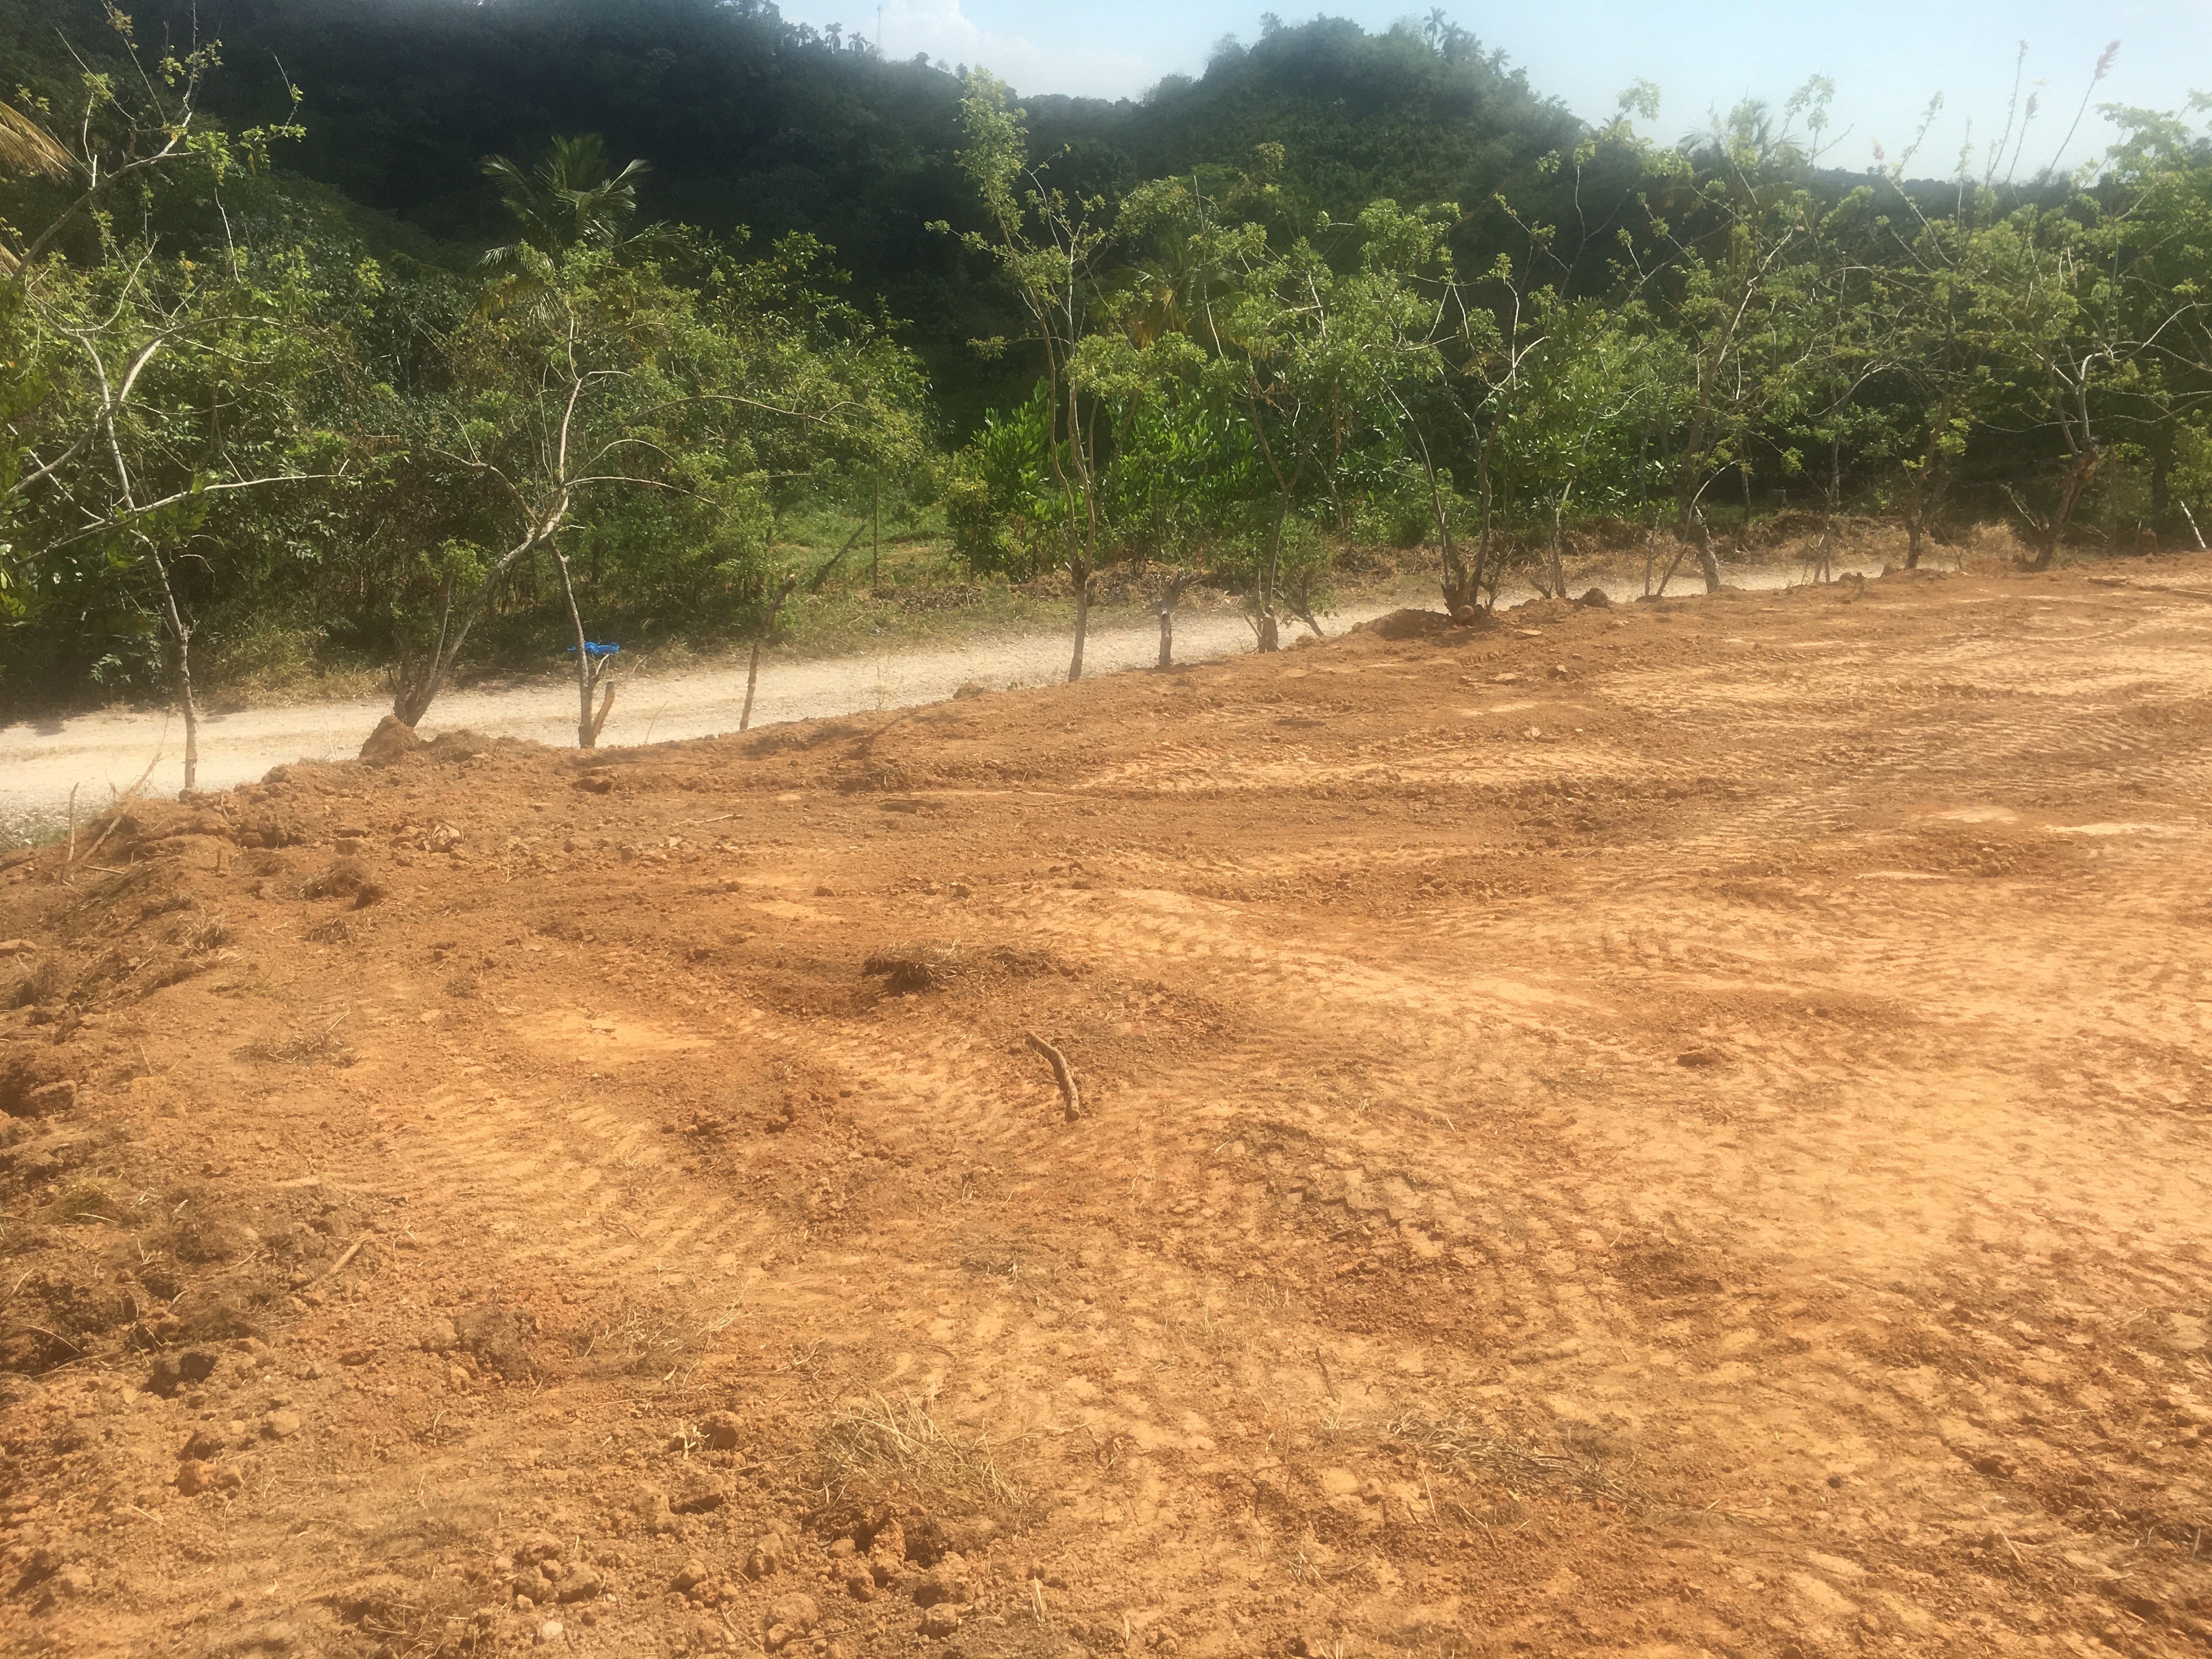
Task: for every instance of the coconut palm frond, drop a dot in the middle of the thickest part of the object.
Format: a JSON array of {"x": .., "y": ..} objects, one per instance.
[
  {"x": 568, "y": 200},
  {"x": 26, "y": 147}
]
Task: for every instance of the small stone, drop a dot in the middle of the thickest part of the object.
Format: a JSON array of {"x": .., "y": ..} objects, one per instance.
[
  {"x": 438, "y": 1336},
  {"x": 582, "y": 1584},
  {"x": 356, "y": 1356},
  {"x": 860, "y": 1584},
  {"x": 174, "y": 1370},
  {"x": 550, "y": 1632},
  {"x": 769, "y": 1554},
  {"x": 204, "y": 1444},
  {"x": 650, "y": 1505},
  {"x": 889, "y": 1545},
  {"x": 940, "y": 1620},
  {"x": 693, "y": 1574},
  {"x": 941, "y": 1584},
  {"x": 795, "y": 1612},
  {"x": 722, "y": 1429},
  {"x": 699, "y": 1494},
  {"x": 191, "y": 1477},
  {"x": 281, "y": 1425}
]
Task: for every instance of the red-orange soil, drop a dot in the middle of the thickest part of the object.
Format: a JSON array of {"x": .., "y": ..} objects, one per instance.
[{"x": 1671, "y": 1129}]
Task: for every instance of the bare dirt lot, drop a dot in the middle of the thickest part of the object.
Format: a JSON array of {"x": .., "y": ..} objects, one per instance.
[{"x": 1664, "y": 1129}]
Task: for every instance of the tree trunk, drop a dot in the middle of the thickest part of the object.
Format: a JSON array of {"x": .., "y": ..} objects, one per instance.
[
  {"x": 1169, "y": 597},
  {"x": 587, "y": 669},
  {"x": 2080, "y": 475},
  {"x": 1268, "y": 635},
  {"x": 1708, "y": 562},
  {"x": 1558, "y": 564},
  {"x": 774, "y": 610},
  {"x": 752, "y": 680},
  {"x": 181, "y": 632},
  {"x": 416, "y": 692},
  {"x": 1482, "y": 545},
  {"x": 1458, "y": 593},
  {"x": 1081, "y": 575},
  {"x": 191, "y": 714}
]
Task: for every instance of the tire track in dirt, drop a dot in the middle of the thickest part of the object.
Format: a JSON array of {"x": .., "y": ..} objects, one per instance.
[{"x": 1902, "y": 1274}]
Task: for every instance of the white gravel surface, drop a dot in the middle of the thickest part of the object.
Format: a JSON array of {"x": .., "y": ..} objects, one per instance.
[{"x": 41, "y": 759}]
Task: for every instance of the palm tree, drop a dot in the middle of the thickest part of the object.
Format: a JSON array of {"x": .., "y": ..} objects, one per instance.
[
  {"x": 26, "y": 149},
  {"x": 568, "y": 202}
]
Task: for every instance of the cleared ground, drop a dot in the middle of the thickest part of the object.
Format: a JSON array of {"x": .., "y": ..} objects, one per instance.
[{"x": 1670, "y": 1129}]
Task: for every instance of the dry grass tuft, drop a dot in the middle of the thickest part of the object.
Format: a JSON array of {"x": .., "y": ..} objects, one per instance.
[
  {"x": 322, "y": 1045},
  {"x": 411, "y": 1619},
  {"x": 1455, "y": 1443},
  {"x": 629, "y": 1337},
  {"x": 342, "y": 879},
  {"x": 941, "y": 964},
  {"x": 46, "y": 980},
  {"x": 921, "y": 964},
  {"x": 875, "y": 1440},
  {"x": 201, "y": 934}
]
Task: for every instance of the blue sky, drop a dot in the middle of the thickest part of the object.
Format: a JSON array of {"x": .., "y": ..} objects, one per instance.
[{"x": 1887, "y": 57}]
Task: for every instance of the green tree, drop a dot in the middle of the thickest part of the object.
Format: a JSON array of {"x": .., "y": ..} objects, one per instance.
[
  {"x": 1048, "y": 244},
  {"x": 1727, "y": 253}
]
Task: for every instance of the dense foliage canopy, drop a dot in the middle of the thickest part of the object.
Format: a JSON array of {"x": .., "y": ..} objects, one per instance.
[{"x": 406, "y": 328}]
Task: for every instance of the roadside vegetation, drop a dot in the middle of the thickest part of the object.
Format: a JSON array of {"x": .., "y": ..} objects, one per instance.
[{"x": 254, "y": 433}]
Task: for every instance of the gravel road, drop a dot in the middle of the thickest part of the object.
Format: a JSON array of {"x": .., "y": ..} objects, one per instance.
[{"x": 41, "y": 759}]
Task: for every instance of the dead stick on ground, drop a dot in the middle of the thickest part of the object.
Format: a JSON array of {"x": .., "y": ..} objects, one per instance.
[
  {"x": 1061, "y": 1074},
  {"x": 1328, "y": 1381},
  {"x": 351, "y": 1251},
  {"x": 115, "y": 808}
]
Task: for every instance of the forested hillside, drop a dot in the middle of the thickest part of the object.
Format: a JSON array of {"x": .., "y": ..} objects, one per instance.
[
  {"x": 748, "y": 120},
  {"x": 407, "y": 333}
]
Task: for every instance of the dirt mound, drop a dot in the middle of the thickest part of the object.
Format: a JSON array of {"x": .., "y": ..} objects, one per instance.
[
  {"x": 391, "y": 743},
  {"x": 1409, "y": 624}
]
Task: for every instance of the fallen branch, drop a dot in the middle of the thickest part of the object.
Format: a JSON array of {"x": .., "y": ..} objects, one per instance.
[
  {"x": 1062, "y": 1074},
  {"x": 115, "y": 815},
  {"x": 351, "y": 1251}
]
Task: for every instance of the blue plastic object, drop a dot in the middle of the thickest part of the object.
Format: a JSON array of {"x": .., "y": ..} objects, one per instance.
[{"x": 591, "y": 648}]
